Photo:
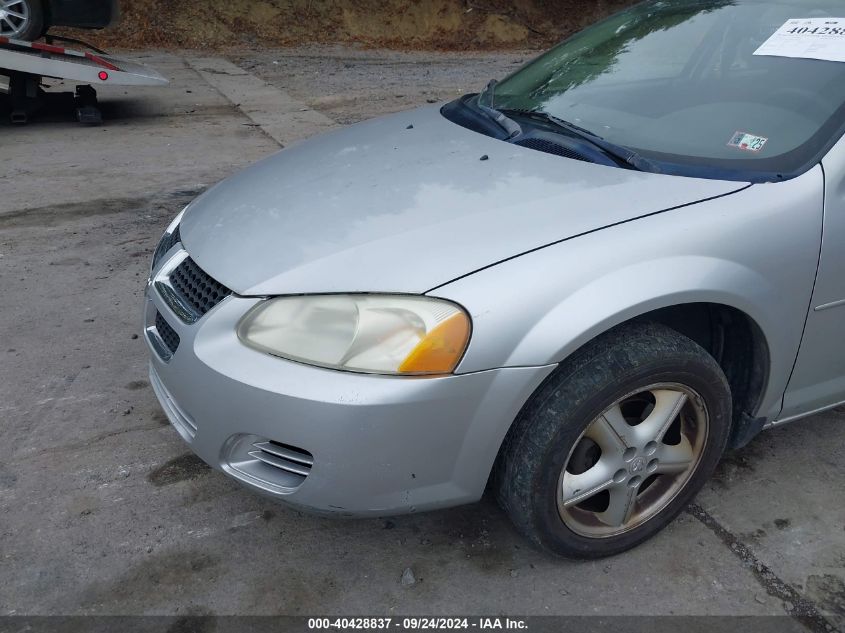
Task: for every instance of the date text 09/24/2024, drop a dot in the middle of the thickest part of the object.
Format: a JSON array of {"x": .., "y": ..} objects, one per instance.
[{"x": 417, "y": 623}]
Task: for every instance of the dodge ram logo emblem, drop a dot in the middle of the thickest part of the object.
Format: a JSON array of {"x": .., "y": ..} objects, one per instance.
[{"x": 638, "y": 465}]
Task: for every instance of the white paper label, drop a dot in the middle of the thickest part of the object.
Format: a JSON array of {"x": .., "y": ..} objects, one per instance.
[
  {"x": 810, "y": 38},
  {"x": 748, "y": 142}
]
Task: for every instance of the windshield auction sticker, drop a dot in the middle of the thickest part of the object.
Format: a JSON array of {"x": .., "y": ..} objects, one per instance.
[
  {"x": 811, "y": 38},
  {"x": 748, "y": 142}
]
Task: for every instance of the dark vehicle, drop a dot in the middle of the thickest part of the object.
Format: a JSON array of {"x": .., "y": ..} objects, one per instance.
[{"x": 30, "y": 19}]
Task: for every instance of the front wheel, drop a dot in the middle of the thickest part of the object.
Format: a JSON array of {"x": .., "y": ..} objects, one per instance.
[
  {"x": 21, "y": 19},
  {"x": 616, "y": 442}
]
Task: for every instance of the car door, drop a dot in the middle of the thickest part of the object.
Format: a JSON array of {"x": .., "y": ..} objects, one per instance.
[{"x": 818, "y": 380}]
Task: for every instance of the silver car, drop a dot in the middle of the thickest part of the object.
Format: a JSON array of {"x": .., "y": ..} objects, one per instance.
[{"x": 578, "y": 287}]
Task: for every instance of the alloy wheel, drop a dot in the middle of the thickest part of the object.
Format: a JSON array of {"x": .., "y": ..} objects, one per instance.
[
  {"x": 14, "y": 17},
  {"x": 632, "y": 460}
]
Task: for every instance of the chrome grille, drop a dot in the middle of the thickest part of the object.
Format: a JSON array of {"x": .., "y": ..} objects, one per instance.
[
  {"x": 168, "y": 241},
  {"x": 196, "y": 288}
]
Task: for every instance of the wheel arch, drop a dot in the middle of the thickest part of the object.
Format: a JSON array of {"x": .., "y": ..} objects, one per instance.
[
  {"x": 589, "y": 289},
  {"x": 733, "y": 338},
  {"x": 720, "y": 304},
  {"x": 730, "y": 335}
]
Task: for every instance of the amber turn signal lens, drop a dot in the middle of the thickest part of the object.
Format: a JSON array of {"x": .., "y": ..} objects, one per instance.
[{"x": 441, "y": 349}]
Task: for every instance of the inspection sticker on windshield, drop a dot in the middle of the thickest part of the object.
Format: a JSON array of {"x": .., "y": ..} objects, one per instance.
[
  {"x": 748, "y": 142},
  {"x": 810, "y": 38}
]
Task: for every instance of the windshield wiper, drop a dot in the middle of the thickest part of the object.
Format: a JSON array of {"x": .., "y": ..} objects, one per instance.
[
  {"x": 619, "y": 152},
  {"x": 505, "y": 122}
]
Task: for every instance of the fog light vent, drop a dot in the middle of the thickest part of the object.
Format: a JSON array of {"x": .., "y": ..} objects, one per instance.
[
  {"x": 287, "y": 458},
  {"x": 268, "y": 464}
]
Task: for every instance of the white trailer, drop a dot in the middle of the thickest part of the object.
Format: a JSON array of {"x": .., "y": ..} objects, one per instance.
[{"x": 23, "y": 65}]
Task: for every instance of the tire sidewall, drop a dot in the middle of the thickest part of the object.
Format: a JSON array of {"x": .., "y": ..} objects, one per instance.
[
  {"x": 36, "y": 26},
  {"x": 705, "y": 379}
]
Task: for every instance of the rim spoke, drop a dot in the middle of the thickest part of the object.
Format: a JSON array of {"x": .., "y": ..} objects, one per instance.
[
  {"x": 622, "y": 501},
  {"x": 633, "y": 454},
  {"x": 15, "y": 14},
  {"x": 674, "y": 459},
  {"x": 577, "y": 488},
  {"x": 610, "y": 431},
  {"x": 667, "y": 406}
]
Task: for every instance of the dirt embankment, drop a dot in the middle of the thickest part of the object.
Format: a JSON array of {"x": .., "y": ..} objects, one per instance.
[{"x": 402, "y": 24}]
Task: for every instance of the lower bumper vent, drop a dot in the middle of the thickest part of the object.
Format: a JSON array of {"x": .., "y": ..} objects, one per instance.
[
  {"x": 270, "y": 465},
  {"x": 286, "y": 458},
  {"x": 168, "y": 334}
]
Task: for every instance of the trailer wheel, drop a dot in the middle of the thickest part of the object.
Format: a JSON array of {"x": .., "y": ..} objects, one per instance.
[{"x": 21, "y": 19}]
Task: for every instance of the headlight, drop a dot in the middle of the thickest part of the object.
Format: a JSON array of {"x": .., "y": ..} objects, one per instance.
[
  {"x": 170, "y": 238},
  {"x": 376, "y": 334}
]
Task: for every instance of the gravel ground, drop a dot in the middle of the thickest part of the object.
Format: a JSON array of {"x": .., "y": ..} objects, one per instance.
[{"x": 352, "y": 85}]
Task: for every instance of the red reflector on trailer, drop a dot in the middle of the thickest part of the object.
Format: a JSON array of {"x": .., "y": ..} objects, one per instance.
[{"x": 103, "y": 75}]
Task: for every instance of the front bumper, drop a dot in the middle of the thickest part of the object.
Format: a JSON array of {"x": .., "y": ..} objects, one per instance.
[{"x": 380, "y": 445}]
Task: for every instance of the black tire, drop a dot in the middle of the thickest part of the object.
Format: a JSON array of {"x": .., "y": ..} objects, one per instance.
[
  {"x": 33, "y": 27},
  {"x": 539, "y": 445}
]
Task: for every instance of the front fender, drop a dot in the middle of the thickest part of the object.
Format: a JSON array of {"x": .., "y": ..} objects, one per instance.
[
  {"x": 755, "y": 250},
  {"x": 624, "y": 294}
]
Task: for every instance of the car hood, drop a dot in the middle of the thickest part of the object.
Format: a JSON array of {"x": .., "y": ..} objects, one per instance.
[{"x": 406, "y": 203}]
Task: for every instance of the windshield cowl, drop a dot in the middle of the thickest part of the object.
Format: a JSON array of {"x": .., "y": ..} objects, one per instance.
[{"x": 625, "y": 155}]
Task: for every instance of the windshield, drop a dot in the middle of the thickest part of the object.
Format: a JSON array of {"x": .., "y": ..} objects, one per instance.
[{"x": 679, "y": 82}]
